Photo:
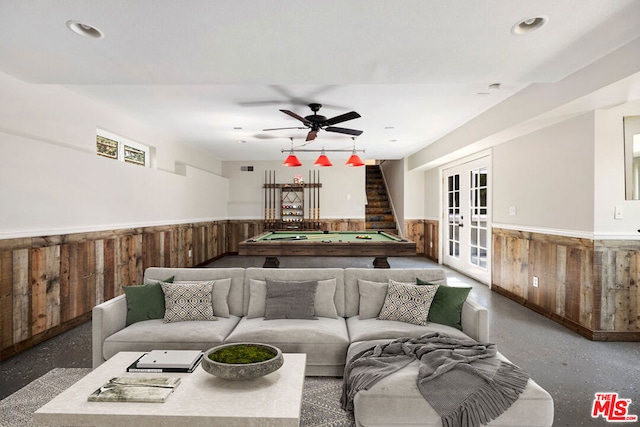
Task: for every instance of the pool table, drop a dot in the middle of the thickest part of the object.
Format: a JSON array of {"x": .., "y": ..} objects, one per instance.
[{"x": 327, "y": 243}]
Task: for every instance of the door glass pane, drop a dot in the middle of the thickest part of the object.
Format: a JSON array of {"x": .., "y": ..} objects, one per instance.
[
  {"x": 453, "y": 197},
  {"x": 478, "y": 213}
]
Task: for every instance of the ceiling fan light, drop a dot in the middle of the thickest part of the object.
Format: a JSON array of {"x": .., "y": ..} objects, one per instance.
[
  {"x": 323, "y": 160},
  {"x": 292, "y": 161},
  {"x": 354, "y": 160}
]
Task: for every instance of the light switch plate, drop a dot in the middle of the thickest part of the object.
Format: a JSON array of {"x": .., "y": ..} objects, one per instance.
[{"x": 618, "y": 213}]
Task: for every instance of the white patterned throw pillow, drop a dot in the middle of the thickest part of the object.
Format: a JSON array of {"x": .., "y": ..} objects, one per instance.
[
  {"x": 187, "y": 302},
  {"x": 407, "y": 302}
]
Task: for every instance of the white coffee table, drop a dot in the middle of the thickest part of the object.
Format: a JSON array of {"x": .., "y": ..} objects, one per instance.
[{"x": 200, "y": 400}]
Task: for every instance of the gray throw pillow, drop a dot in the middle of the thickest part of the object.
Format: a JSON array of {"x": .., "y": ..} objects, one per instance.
[
  {"x": 324, "y": 305},
  {"x": 290, "y": 300},
  {"x": 372, "y": 295}
]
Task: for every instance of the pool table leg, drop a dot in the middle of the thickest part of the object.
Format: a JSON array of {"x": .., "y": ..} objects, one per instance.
[
  {"x": 381, "y": 262},
  {"x": 271, "y": 262}
]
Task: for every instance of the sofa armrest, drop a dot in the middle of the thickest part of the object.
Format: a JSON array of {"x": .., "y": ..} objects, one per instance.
[
  {"x": 475, "y": 321},
  {"x": 108, "y": 318}
]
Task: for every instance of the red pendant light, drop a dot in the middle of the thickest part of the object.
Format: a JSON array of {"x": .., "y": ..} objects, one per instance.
[
  {"x": 292, "y": 161},
  {"x": 354, "y": 160},
  {"x": 323, "y": 160}
]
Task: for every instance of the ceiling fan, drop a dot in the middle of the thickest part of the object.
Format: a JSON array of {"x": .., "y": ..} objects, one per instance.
[{"x": 315, "y": 122}]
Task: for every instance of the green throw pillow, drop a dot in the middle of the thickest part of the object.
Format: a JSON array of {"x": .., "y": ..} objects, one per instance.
[
  {"x": 446, "y": 307},
  {"x": 145, "y": 302}
]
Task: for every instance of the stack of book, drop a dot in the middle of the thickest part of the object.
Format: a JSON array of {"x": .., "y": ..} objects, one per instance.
[{"x": 167, "y": 361}]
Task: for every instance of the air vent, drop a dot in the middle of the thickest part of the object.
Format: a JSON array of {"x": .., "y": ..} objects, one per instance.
[{"x": 246, "y": 168}]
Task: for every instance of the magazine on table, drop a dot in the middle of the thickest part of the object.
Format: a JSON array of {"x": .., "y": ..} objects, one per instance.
[
  {"x": 167, "y": 361},
  {"x": 135, "y": 389}
]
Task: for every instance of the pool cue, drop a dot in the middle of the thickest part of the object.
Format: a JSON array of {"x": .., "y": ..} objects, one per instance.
[
  {"x": 313, "y": 209},
  {"x": 273, "y": 198},
  {"x": 318, "y": 191},
  {"x": 309, "y": 202},
  {"x": 265, "y": 196}
]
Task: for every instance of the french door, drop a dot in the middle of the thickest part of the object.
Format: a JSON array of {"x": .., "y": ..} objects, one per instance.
[{"x": 466, "y": 219}]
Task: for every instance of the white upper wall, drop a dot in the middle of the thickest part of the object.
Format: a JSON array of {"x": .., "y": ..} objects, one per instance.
[
  {"x": 342, "y": 194},
  {"x": 53, "y": 182},
  {"x": 548, "y": 176},
  {"x": 609, "y": 176}
]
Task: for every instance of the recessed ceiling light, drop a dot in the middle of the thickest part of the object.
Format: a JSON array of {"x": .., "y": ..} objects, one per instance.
[
  {"x": 85, "y": 30},
  {"x": 529, "y": 25},
  {"x": 237, "y": 128},
  {"x": 491, "y": 87}
]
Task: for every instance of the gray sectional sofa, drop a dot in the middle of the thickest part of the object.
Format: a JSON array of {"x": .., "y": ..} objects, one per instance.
[{"x": 344, "y": 301}]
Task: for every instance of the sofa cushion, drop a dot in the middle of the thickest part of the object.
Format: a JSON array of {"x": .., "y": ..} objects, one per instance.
[
  {"x": 324, "y": 304},
  {"x": 446, "y": 307},
  {"x": 373, "y": 329},
  {"x": 407, "y": 302},
  {"x": 188, "y": 301},
  {"x": 155, "y": 334},
  {"x": 325, "y": 340},
  {"x": 372, "y": 296},
  {"x": 290, "y": 300},
  {"x": 396, "y": 401}
]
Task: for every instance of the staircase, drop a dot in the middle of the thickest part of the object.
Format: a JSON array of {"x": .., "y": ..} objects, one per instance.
[{"x": 378, "y": 213}]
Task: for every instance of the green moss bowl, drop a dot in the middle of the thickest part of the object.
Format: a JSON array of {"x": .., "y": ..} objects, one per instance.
[{"x": 242, "y": 361}]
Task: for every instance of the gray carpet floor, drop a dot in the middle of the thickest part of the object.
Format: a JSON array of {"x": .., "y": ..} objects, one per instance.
[
  {"x": 320, "y": 399},
  {"x": 571, "y": 368}
]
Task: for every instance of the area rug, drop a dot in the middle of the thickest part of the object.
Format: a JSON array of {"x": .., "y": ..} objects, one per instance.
[{"x": 320, "y": 399}]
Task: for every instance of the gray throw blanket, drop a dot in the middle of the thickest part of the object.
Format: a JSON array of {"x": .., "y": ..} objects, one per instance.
[{"x": 460, "y": 378}]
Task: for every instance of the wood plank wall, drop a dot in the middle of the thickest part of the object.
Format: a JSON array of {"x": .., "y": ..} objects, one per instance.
[
  {"x": 50, "y": 284},
  {"x": 425, "y": 233},
  {"x": 590, "y": 287}
]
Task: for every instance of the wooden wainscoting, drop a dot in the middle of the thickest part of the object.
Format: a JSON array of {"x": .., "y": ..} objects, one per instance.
[
  {"x": 342, "y": 224},
  {"x": 50, "y": 284},
  {"x": 617, "y": 289},
  {"x": 589, "y": 287},
  {"x": 425, "y": 233}
]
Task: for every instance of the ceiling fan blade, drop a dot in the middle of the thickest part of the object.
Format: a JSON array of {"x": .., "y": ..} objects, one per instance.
[
  {"x": 295, "y": 116},
  {"x": 342, "y": 118},
  {"x": 299, "y": 127},
  {"x": 344, "y": 130},
  {"x": 312, "y": 135}
]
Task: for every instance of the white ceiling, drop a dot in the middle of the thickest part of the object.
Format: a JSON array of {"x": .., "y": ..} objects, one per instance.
[{"x": 415, "y": 69}]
